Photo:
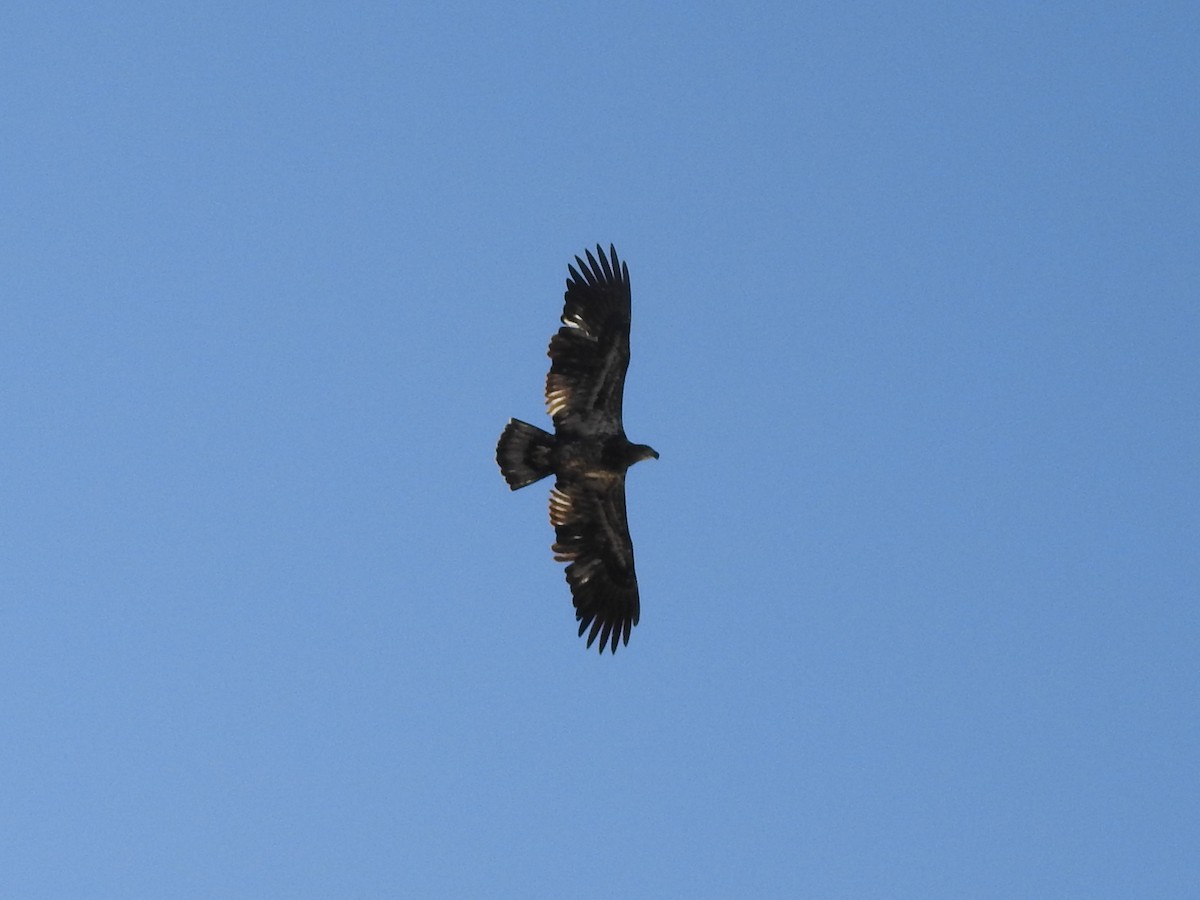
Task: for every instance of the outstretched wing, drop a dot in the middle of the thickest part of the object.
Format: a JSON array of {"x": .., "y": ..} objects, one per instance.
[
  {"x": 593, "y": 537},
  {"x": 590, "y": 353}
]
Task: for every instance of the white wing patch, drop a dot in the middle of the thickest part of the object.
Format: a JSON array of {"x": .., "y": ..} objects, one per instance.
[
  {"x": 558, "y": 395},
  {"x": 562, "y": 508},
  {"x": 576, "y": 322}
]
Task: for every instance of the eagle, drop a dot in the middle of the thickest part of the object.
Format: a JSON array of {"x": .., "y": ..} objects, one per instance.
[{"x": 588, "y": 454}]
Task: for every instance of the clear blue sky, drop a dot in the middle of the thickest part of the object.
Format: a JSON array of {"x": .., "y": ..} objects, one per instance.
[{"x": 916, "y": 332}]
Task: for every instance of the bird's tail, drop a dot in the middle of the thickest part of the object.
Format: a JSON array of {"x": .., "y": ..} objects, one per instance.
[{"x": 524, "y": 453}]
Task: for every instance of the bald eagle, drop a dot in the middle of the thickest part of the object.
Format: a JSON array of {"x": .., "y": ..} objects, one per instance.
[{"x": 588, "y": 454}]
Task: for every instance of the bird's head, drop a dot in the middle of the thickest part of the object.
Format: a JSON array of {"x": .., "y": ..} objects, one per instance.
[{"x": 642, "y": 451}]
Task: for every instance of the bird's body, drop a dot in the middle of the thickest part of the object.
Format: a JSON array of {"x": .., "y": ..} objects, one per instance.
[{"x": 588, "y": 453}]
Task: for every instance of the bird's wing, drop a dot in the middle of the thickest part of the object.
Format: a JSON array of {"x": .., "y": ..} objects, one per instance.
[
  {"x": 592, "y": 534},
  {"x": 590, "y": 353}
]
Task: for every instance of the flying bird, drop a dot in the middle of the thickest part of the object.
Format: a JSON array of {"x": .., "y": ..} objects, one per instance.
[{"x": 588, "y": 454}]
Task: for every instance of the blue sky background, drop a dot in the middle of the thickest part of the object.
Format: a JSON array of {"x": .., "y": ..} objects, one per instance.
[{"x": 916, "y": 326}]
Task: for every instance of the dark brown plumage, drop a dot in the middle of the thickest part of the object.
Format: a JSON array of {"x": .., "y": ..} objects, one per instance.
[{"x": 588, "y": 453}]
